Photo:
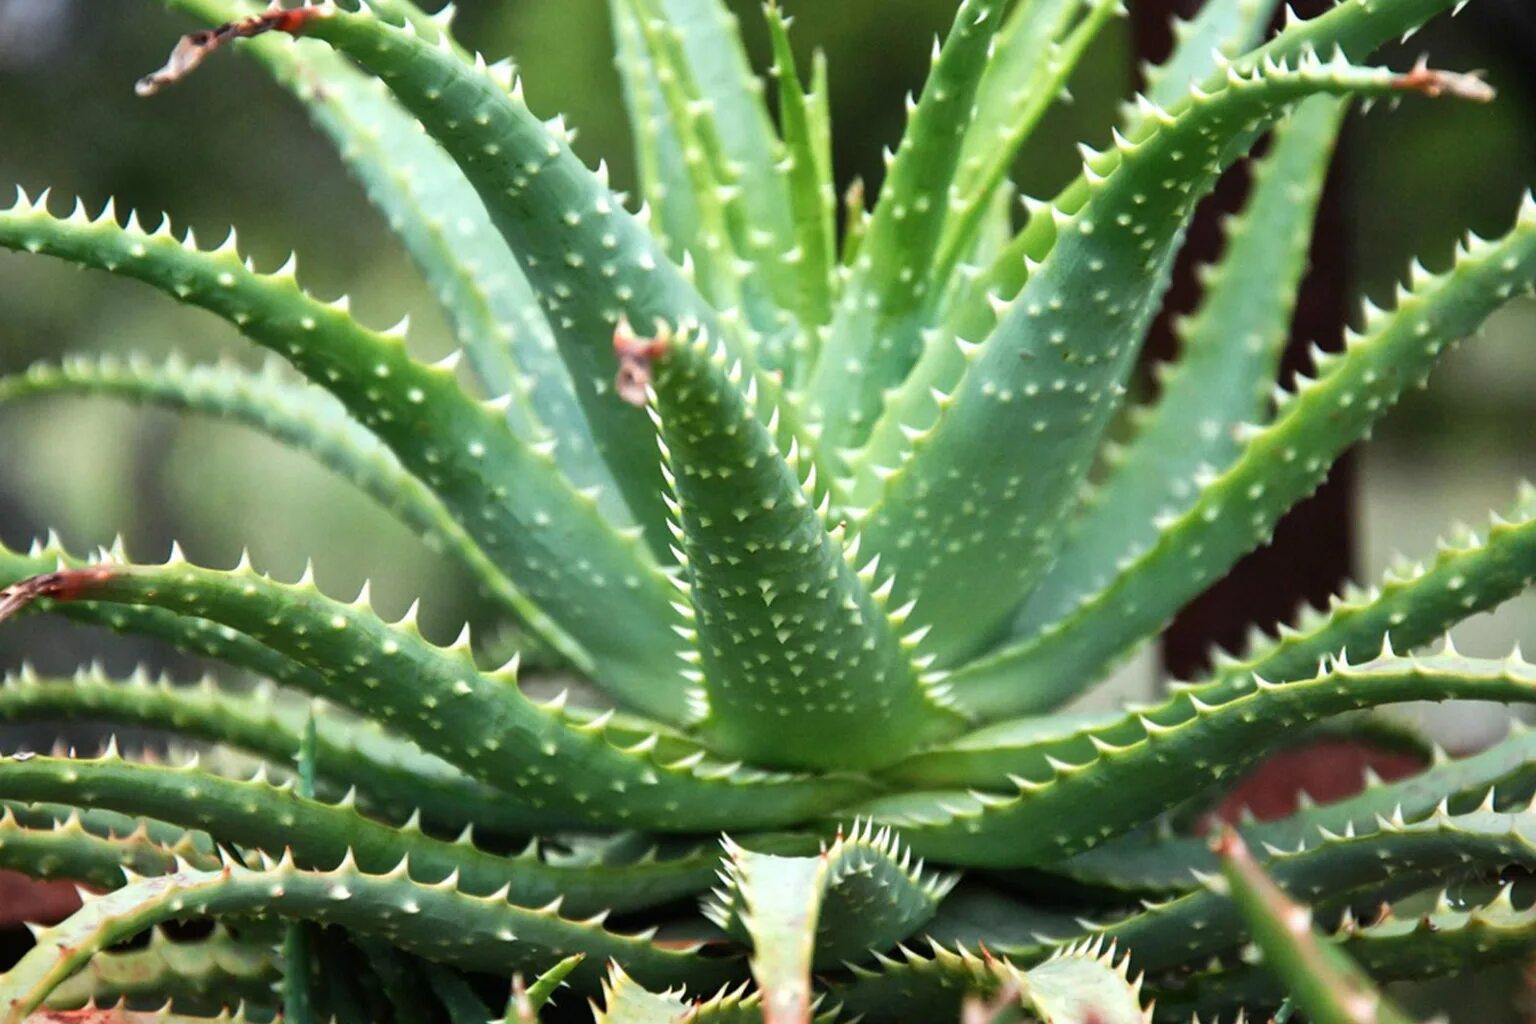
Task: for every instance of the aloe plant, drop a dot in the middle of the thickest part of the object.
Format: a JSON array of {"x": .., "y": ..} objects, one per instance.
[{"x": 824, "y": 512}]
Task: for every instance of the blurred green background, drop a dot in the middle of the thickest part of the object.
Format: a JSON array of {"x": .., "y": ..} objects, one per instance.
[{"x": 228, "y": 149}]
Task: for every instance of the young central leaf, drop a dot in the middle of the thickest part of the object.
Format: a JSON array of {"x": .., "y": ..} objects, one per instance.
[{"x": 799, "y": 661}]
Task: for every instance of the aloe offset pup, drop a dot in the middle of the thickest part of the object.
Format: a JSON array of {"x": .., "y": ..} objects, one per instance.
[{"x": 814, "y": 504}]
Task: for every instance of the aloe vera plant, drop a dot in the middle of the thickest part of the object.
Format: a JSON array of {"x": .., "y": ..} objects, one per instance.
[{"x": 822, "y": 509}]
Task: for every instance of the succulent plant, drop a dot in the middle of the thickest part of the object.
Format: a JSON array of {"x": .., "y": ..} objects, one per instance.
[{"x": 823, "y": 513}]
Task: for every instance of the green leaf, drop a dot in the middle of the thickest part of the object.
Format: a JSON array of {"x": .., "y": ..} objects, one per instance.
[
  {"x": 1228, "y": 363},
  {"x": 66, "y": 850},
  {"x": 387, "y": 771},
  {"x": 812, "y": 200},
  {"x": 437, "y": 696},
  {"x": 1328, "y": 986},
  {"x": 612, "y": 619},
  {"x": 800, "y": 660},
  {"x": 737, "y": 228},
  {"x": 307, "y": 419},
  {"x": 1166, "y": 864},
  {"x": 203, "y": 975},
  {"x": 588, "y": 260},
  {"x": 1038, "y": 49},
  {"x": 434, "y": 921},
  {"x": 918, "y": 987},
  {"x": 1279, "y": 464},
  {"x": 1445, "y": 941},
  {"x": 259, "y": 815},
  {"x": 525, "y": 1003},
  {"x": 858, "y": 898},
  {"x": 1389, "y": 860},
  {"x": 186, "y": 633},
  {"x": 1354, "y": 28},
  {"x": 443, "y": 226},
  {"x": 664, "y": 184},
  {"x": 302, "y": 939},
  {"x": 876, "y": 332},
  {"x": 1230, "y": 29},
  {"x": 1053, "y": 370},
  {"x": 1057, "y": 797},
  {"x": 1414, "y": 603},
  {"x": 1083, "y": 985}
]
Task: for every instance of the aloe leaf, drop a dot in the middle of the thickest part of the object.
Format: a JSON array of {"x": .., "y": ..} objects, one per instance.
[
  {"x": 1279, "y": 464},
  {"x": 1053, "y": 370},
  {"x": 919, "y": 987},
  {"x": 306, "y": 419},
  {"x": 1083, "y": 984},
  {"x": 257, "y": 814},
  {"x": 387, "y": 772},
  {"x": 1354, "y": 28},
  {"x": 1108, "y": 779},
  {"x": 67, "y": 850},
  {"x": 442, "y": 224},
  {"x": 800, "y": 661},
  {"x": 625, "y": 1001},
  {"x": 1229, "y": 359},
  {"x": 434, "y": 921},
  {"x": 186, "y": 633},
  {"x": 437, "y": 697},
  {"x": 668, "y": 194},
  {"x": 1172, "y": 863},
  {"x": 1337, "y": 871},
  {"x": 301, "y": 939},
  {"x": 1414, "y": 603},
  {"x": 1228, "y": 29},
  {"x": 611, "y": 619},
  {"x": 811, "y": 196},
  {"x": 876, "y": 332},
  {"x": 1040, "y": 45},
  {"x": 714, "y": 253},
  {"x": 717, "y": 64},
  {"x": 105, "y": 824},
  {"x": 738, "y": 228},
  {"x": 588, "y": 260},
  {"x": 1445, "y": 941},
  {"x": 526, "y": 1001},
  {"x": 1328, "y": 986},
  {"x": 859, "y": 897},
  {"x": 202, "y": 976},
  {"x": 1334, "y": 871}
]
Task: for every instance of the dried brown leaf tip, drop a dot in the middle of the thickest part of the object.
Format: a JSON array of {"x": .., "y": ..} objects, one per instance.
[
  {"x": 195, "y": 47},
  {"x": 65, "y": 585},
  {"x": 1465, "y": 85},
  {"x": 636, "y": 357}
]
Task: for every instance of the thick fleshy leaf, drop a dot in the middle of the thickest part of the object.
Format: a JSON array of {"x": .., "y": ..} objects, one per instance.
[
  {"x": 876, "y": 333},
  {"x": 800, "y": 661},
  {"x": 307, "y": 419},
  {"x": 1279, "y": 465},
  {"x": 1057, "y": 797},
  {"x": 259, "y": 815},
  {"x": 437, "y": 696},
  {"x": 436, "y": 921},
  {"x": 584, "y": 584},
  {"x": 961, "y": 505},
  {"x": 1227, "y": 367},
  {"x": 442, "y": 224},
  {"x": 1328, "y": 986}
]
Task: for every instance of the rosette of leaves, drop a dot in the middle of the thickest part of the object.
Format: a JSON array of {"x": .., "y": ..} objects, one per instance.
[{"x": 819, "y": 501}]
